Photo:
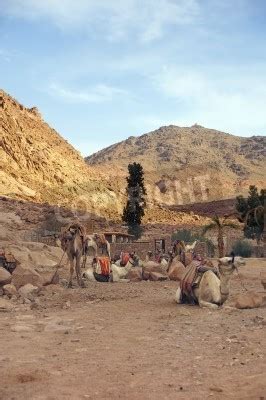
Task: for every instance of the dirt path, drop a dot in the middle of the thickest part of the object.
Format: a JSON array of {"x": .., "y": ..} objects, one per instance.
[{"x": 130, "y": 341}]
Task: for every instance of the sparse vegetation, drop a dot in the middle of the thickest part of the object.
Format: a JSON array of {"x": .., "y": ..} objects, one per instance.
[
  {"x": 242, "y": 248},
  {"x": 189, "y": 237},
  {"x": 219, "y": 224}
]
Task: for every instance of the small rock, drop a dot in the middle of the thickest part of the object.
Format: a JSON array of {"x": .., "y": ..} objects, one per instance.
[
  {"x": 5, "y": 276},
  {"x": 216, "y": 389},
  {"x": 5, "y": 305},
  {"x": 10, "y": 290},
  {"x": 28, "y": 291}
]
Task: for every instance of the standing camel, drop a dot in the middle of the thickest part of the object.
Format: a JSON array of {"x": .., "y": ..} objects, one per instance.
[
  {"x": 72, "y": 242},
  {"x": 102, "y": 244}
]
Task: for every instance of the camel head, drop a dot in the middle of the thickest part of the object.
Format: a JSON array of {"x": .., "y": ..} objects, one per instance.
[
  {"x": 227, "y": 265},
  {"x": 134, "y": 259}
]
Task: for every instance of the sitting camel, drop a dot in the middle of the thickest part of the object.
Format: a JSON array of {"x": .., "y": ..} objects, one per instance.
[
  {"x": 72, "y": 242},
  {"x": 119, "y": 273},
  {"x": 190, "y": 247},
  {"x": 212, "y": 291}
]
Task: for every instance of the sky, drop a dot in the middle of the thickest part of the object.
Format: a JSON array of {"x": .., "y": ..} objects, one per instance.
[{"x": 103, "y": 70}]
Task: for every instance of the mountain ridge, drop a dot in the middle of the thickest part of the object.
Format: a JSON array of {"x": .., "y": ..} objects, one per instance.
[{"x": 173, "y": 154}]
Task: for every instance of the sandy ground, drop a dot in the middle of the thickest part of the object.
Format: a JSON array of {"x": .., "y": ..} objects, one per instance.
[{"x": 131, "y": 341}]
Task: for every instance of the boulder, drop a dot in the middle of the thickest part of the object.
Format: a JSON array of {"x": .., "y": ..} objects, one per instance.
[
  {"x": 5, "y": 305},
  {"x": 5, "y": 276},
  {"x": 50, "y": 278},
  {"x": 176, "y": 271},
  {"x": 249, "y": 300},
  {"x": 135, "y": 274},
  {"x": 28, "y": 291},
  {"x": 23, "y": 275},
  {"x": 157, "y": 276},
  {"x": 10, "y": 290}
]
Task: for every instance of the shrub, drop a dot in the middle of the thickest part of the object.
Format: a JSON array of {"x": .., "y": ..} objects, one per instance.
[
  {"x": 242, "y": 248},
  {"x": 189, "y": 237}
]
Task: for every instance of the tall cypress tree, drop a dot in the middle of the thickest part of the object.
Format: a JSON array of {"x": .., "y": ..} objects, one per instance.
[{"x": 134, "y": 209}]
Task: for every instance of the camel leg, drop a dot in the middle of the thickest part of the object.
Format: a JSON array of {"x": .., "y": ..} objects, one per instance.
[
  {"x": 206, "y": 304},
  {"x": 71, "y": 271},
  {"x": 78, "y": 273},
  {"x": 178, "y": 296}
]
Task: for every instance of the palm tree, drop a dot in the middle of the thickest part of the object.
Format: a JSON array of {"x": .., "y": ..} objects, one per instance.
[{"x": 219, "y": 224}]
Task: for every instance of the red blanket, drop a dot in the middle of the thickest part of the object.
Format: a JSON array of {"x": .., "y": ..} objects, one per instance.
[
  {"x": 105, "y": 265},
  {"x": 124, "y": 259}
]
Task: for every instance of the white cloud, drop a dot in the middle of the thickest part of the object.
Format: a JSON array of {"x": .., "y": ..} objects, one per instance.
[
  {"x": 97, "y": 94},
  {"x": 147, "y": 19},
  {"x": 232, "y": 100}
]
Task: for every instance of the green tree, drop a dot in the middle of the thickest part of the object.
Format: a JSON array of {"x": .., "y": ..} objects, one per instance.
[
  {"x": 251, "y": 212},
  {"x": 242, "y": 248},
  {"x": 189, "y": 237},
  {"x": 219, "y": 224},
  {"x": 135, "y": 208}
]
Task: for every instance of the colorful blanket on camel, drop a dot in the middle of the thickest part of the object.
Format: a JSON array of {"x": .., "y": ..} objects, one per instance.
[
  {"x": 124, "y": 258},
  {"x": 105, "y": 265},
  {"x": 188, "y": 280}
]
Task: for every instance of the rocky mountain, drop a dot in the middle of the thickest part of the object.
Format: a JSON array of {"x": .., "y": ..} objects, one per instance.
[
  {"x": 37, "y": 164},
  {"x": 192, "y": 164}
]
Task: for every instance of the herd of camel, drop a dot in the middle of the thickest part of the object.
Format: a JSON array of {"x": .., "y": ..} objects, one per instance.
[{"x": 211, "y": 290}]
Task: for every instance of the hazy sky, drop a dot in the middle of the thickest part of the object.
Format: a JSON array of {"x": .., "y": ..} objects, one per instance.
[{"x": 103, "y": 70}]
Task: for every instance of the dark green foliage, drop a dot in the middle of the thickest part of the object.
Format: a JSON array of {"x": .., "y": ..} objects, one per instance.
[
  {"x": 134, "y": 209},
  {"x": 189, "y": 237},
  {"x": 251, "y": 212},
  {"x": 242, "y": 248}
]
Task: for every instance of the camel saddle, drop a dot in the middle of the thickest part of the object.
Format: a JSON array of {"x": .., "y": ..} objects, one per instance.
[
  {"x": 105, "y": 265},
  {"x": 190, "y": 278},
  {"x": 76, "y": 227},
  {"x": 124, "y": 258},
  {"x": 101, "y": 239}
]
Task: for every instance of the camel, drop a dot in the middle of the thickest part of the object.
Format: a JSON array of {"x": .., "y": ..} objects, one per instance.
[
  {"x": 72, "y": 242},
  {"x": 102, "y": 244},
  {"x": 119, "y": 273},
  {"x": 211, "y": 290},
  {"x": 190, "y": 247},
  {"x": 179, "y": 247}
]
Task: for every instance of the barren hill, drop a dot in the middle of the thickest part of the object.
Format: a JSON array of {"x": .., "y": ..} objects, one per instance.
[
  {"x": 193, "y": 164},
  {"x": 37, "y": 164}
]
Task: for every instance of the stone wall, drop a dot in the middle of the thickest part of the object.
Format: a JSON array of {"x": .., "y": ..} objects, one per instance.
[{"x": 141, "y": 248}]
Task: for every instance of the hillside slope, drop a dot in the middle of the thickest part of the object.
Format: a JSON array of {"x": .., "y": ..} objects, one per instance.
[
  {"x": 37, "y": 164},
  {"x": 185, "y": 165}
]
